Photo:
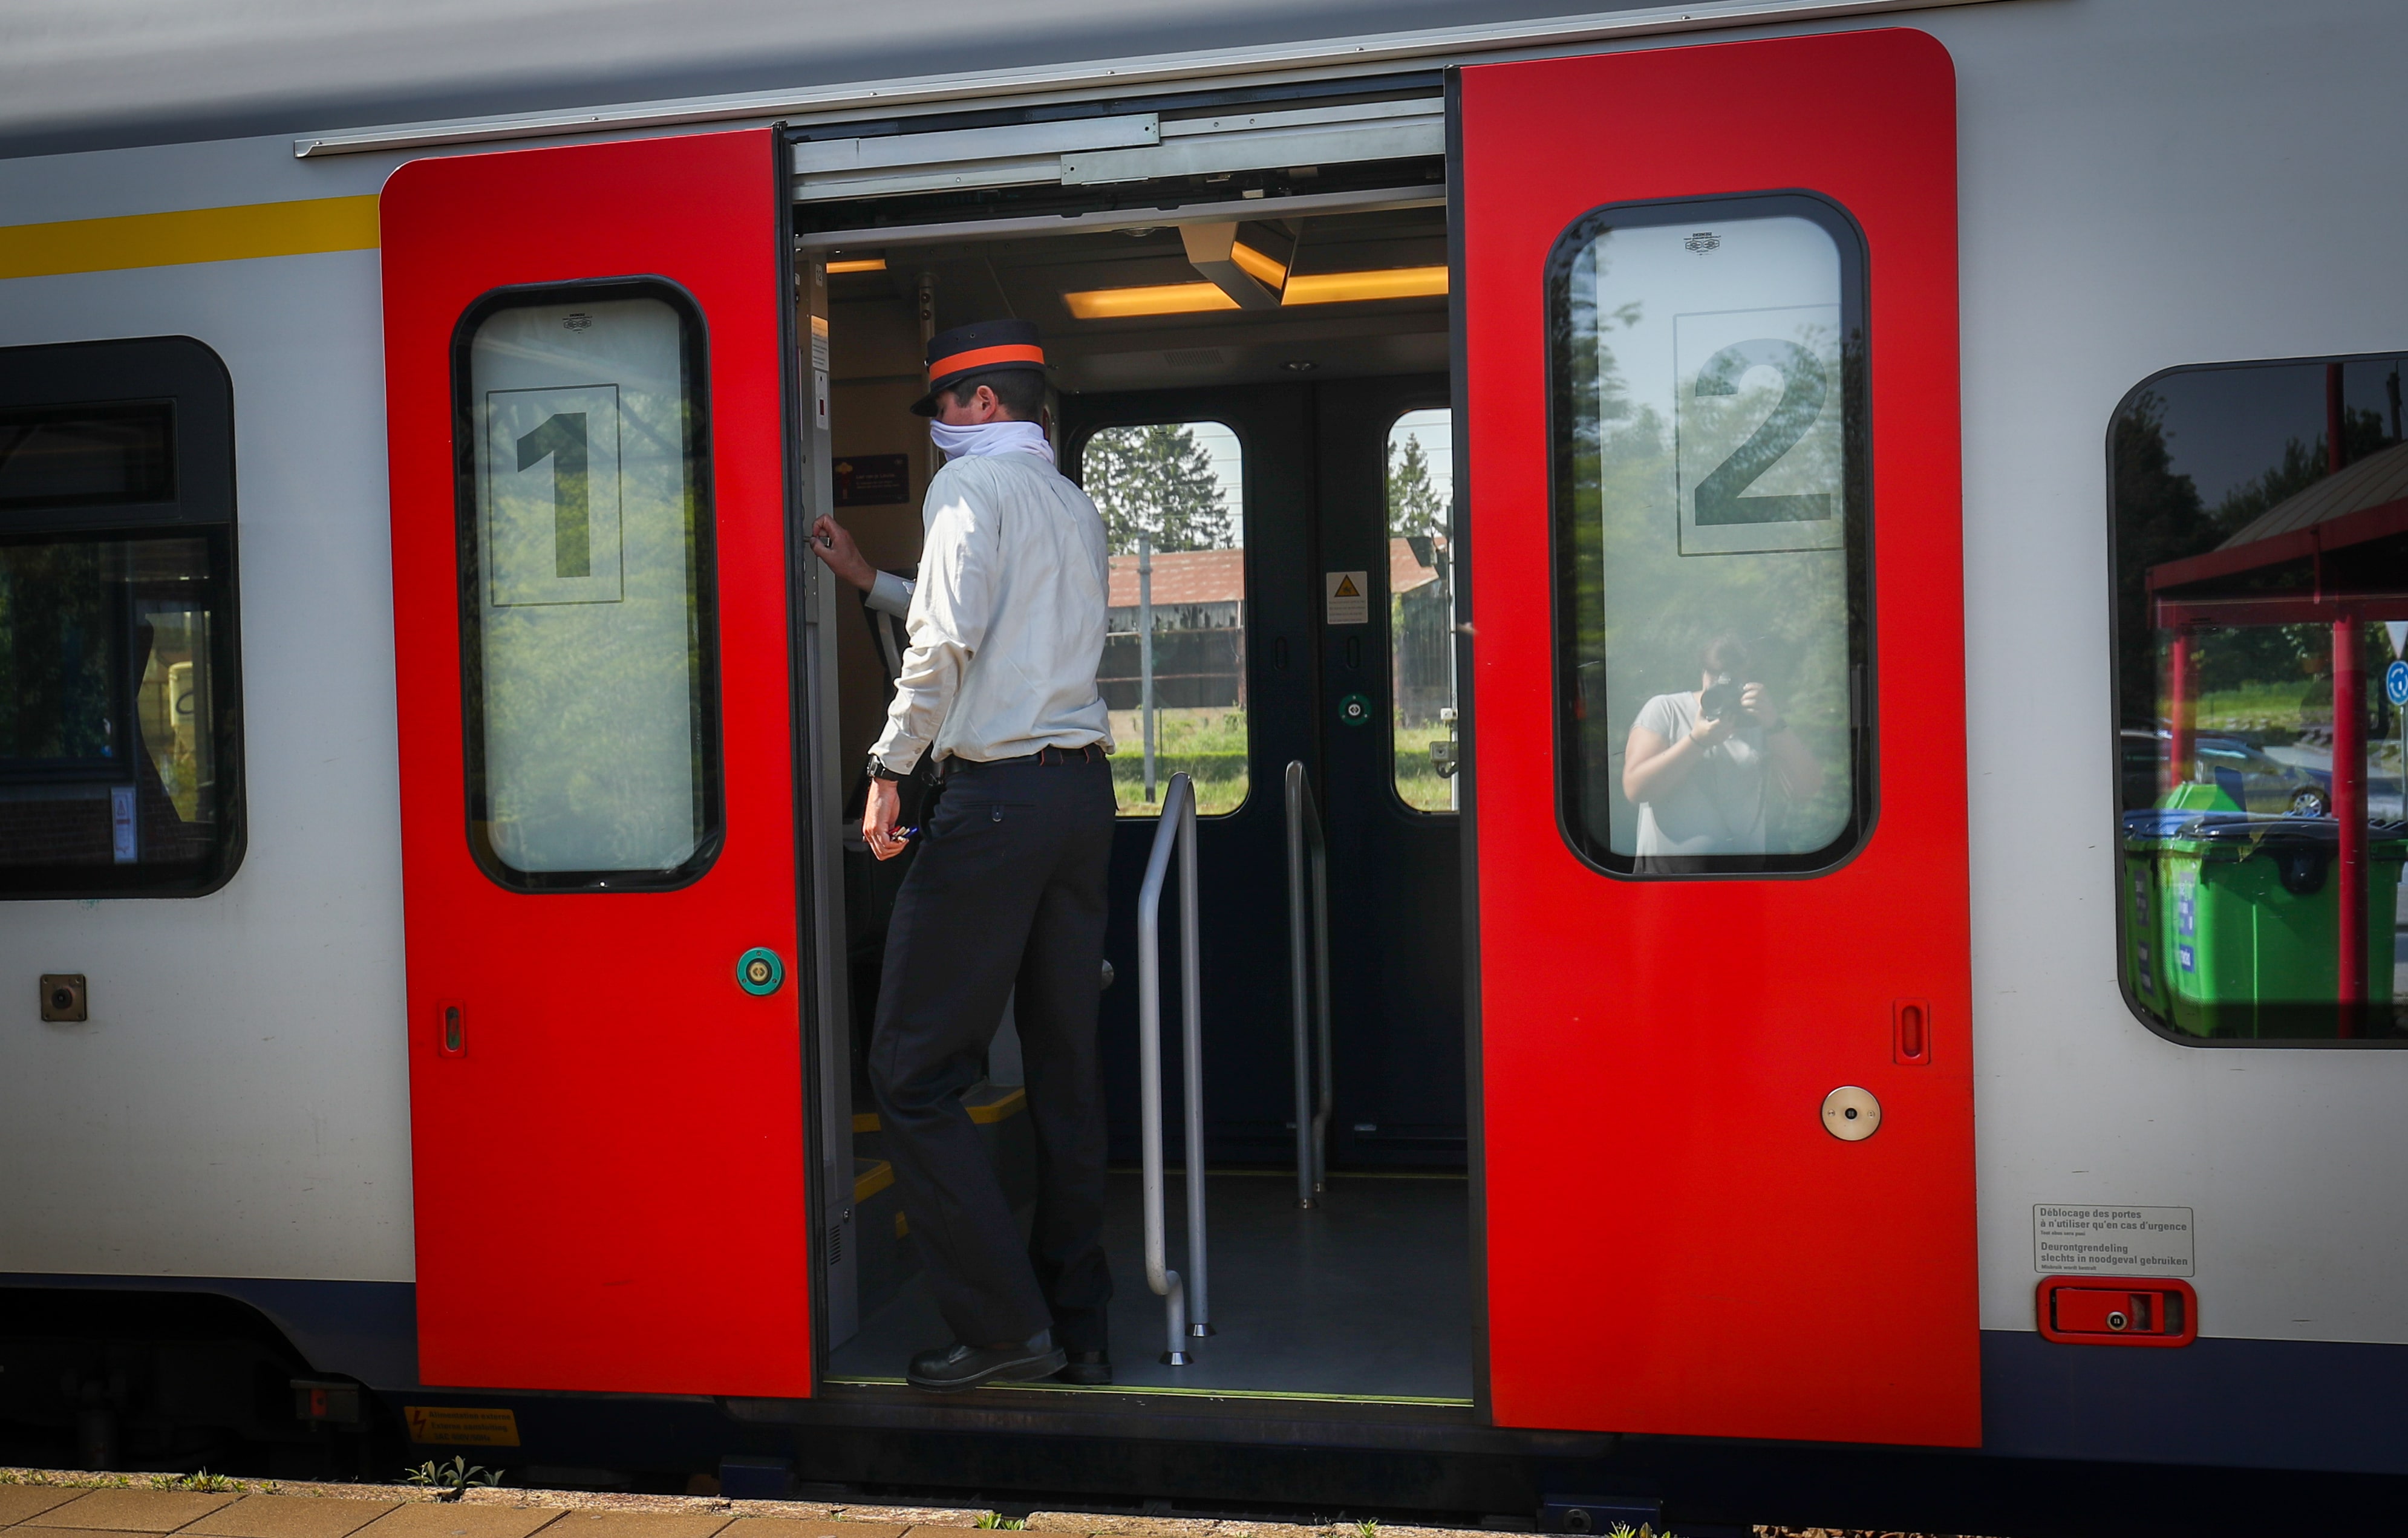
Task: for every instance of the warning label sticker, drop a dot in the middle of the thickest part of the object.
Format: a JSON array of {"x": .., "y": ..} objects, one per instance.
[
  {"x": 1349, "y": 597},
  {"x": 452, "y": 1426},
  {"x": 2113, "y": 1240}
]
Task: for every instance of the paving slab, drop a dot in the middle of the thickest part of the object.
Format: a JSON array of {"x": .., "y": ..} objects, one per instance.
[
  {"x": 20, "y": 1502},
  {"x": 638, "y": 1524},
  {"x": 132, "y": 1511},
  {"x": 291, "y": 1517},
  {"x": 457, "y": 1519},
  {"x": 796, "y": 1527}
]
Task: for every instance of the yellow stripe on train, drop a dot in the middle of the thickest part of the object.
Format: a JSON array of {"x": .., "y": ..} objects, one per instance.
[{"x": 236, "y": 234}]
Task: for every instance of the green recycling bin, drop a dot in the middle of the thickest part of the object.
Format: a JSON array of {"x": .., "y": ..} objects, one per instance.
[{"x": 2230, "y": 920}]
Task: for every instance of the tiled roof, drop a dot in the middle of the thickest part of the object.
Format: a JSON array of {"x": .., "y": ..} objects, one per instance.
[{"x": 1183, "y": 577}]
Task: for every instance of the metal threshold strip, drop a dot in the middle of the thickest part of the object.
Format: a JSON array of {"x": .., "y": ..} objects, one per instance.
[
  {"x": 1068, "y": 1394},
  {"x": 1324, "y": 57}
]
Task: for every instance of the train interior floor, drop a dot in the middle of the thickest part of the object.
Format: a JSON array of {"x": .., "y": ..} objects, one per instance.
[{"x": 1367, "y": 1296}]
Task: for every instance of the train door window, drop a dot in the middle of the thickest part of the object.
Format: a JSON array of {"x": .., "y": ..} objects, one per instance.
[
  {"x": 120, "y": 753},
  {"x": 1421, "y": 610},
  {"x": 586, "y": 611},
  {"x": 2259, "y": 517},
  {"x": 1710, "y": 526},
  {"x": 1173, "y": 499}
]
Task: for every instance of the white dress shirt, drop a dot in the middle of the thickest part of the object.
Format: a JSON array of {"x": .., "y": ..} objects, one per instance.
[{"x": 1005, "y": 620}]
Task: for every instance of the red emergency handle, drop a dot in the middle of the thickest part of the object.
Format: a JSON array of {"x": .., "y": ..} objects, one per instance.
[{"x": 2118, "y": 1310}]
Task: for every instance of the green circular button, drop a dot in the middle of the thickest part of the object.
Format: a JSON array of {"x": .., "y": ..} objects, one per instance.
[
  {"x": 758, "y": 971},
  {"x": 1355, "y": 709}
]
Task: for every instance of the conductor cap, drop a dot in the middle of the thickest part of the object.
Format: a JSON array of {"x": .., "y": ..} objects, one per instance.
[{"x": 979, "y": 347}]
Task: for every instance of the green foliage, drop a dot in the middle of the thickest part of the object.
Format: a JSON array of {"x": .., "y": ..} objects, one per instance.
[
  {"x": 996, "y": 1520},
  {"x": 199, "y": 1480},
  {"x": 1367, "y": 1528},
  {"x": 1642, "y": 611},
  {"x": 1156, "y": 480},
  {"x": 458, "y": 1474},
  {"x": 1414, "y": 506}
]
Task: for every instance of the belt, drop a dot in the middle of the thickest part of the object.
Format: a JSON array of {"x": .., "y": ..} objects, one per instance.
[{"x": 1091, "y": 753}]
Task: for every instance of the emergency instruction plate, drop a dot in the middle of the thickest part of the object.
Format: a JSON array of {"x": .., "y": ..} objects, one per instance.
[{"x": 2095, "y": 1241}]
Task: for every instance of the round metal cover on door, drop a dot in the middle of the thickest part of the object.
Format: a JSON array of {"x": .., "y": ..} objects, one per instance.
[
  {"x": 1850, "y": 1114},
  {"x": 758, "y": 971}
]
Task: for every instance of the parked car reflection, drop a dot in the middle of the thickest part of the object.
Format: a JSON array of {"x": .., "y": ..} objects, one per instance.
[{"x": 2254, "y": 779}]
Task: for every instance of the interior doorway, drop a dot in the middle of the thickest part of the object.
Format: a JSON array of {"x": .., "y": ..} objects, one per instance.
[{"x": 1276, "y": 481}]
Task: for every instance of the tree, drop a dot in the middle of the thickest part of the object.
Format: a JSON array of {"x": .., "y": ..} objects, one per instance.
[
  {"x": 1414, "y": 506},
  {"x": 1156, "y": 480}
]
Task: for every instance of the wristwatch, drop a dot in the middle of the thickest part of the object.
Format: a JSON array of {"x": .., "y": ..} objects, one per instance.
[{"x": 877, "y": 770}]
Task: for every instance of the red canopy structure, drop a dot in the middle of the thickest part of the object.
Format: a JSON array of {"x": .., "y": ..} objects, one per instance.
[{"x": 2337, "y": 554}]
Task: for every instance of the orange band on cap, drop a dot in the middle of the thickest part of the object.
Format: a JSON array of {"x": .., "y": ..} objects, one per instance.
[{"x": 987, "y": 357}]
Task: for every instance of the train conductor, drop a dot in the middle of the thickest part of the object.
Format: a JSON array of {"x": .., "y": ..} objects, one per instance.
[{"x": 1007, "y": 889}]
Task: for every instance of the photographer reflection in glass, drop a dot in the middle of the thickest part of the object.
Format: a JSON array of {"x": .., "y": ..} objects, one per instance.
[{"x": 1699, "y": 764}]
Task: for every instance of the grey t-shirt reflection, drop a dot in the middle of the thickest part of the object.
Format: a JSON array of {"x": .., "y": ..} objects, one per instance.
[{"x": 1718, "y": 807}]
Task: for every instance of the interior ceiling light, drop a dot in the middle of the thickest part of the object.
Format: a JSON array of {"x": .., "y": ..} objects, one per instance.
[
  {"x": 1263, "y": 269},
  {"x": 1153, "y": 299},
  {"x": 1251, "y": 280},
  {"x": 857, "y": 264},
  {"x": 1326, "y": 287},
  {"x": 1338, "y": 288}
]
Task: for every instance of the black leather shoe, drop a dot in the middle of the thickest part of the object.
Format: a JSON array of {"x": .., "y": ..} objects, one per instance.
[
  {"x": 1088, "y": 1367},
  {"x": 949, "y": 1369}
]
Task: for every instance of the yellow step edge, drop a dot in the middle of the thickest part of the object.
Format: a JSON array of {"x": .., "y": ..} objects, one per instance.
[
  {"x": 870, "y": 1177},
  {"x": 236, "y": 234},
  {"x": 987, "y": 1103}
]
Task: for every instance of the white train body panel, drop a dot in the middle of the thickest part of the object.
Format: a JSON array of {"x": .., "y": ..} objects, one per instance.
[{"x": 2145, "y": 183}]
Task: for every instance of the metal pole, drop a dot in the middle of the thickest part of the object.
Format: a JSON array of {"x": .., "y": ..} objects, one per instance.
[
  {"x": 1446, "y": 609},
  {"x": 927, "y": 334},
  {"x": 1191, "y": 1009},
  {"x": 1145, "y": 653},
  {"x": 1299, "y": 981},
  {"x": 2180, "y": 755},
  {"x": 1327, "y": 1095},
  {"x": 1308, "y": 859},
  {"x": 2349, "y": 810},
  {"x": 1158, "y": 1274}
]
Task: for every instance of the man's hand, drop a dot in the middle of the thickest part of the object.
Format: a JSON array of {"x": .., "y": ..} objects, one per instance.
[
  {"x": 1756, "y": 700},
  {"x": 1708, "y": 733},
  {"x": 878, "y": 814},
  {"x": 831, "y": 544}
]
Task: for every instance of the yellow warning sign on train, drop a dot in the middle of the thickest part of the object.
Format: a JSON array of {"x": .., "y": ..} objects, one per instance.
[
  {"x": 453, "y": 1426},
  {"x": 1346, "y": 592}
]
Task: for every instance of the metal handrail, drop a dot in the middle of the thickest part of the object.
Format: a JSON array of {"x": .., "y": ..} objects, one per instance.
[
  {"x": 1177, "y": 829},
  {"x": 1307, "y": 852}
]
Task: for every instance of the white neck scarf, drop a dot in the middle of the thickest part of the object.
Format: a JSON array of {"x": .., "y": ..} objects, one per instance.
[{"x": 1001, "y": 436}]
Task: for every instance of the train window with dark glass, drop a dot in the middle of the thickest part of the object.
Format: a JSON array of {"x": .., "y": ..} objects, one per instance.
[
  {"x": 1711, "y": 527},
  {"x": 2260, "y": 518},
  {"x": 1174, "y": 669},
  {"x": 120, "y": 747},
  {"x": 587, "y": 616}
]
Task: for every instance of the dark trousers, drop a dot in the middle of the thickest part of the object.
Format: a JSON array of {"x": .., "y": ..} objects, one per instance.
[{"x": 1006, "y": 890}]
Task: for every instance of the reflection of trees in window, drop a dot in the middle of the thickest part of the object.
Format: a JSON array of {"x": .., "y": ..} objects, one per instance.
[
  {"x": 582, "y": 702},
  {"x": 58, "y": 636},
  {"x": 1789, "y": 606},
  {"x": 2274, "y": 679},
  {"x": 1156, "y": 480}
]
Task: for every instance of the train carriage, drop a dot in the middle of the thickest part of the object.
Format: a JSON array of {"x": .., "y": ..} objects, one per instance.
[{"x": 430, "y": 768}]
